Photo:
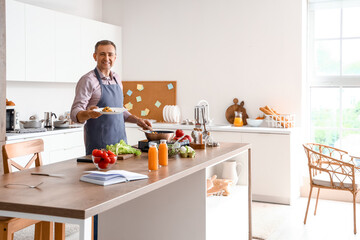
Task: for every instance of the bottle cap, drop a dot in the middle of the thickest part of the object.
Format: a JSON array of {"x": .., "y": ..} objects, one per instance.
[
  {"x": 163, "y": 141},
  {"x": 152, "y": 144}
]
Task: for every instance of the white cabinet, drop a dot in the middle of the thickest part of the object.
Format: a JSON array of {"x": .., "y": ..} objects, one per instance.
[
  {"x": 275, "y": 161},
  {"x": 15, "y": 41},
  {"x": 47, "y": 46},
  {"x": 67, "y": 48},
  {"x": 40, "y": 44},
  {"x": 60, "y": 147}
]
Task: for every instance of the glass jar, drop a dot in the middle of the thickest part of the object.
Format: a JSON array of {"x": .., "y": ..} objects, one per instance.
[{"x": 238, "y": 122}]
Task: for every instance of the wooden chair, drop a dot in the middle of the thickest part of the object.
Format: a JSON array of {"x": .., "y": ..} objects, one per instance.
[
  {"x": 8, "y": 225},
  {"x": 331, "y": 168}
]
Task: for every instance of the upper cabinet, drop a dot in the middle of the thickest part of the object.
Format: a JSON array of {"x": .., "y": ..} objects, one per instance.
[
  {"x": 15, "y": 41},
  {"x": 48, "y": 46},
  {"x": 67, "y": 48},
  {"x": 40, "y": 44}
]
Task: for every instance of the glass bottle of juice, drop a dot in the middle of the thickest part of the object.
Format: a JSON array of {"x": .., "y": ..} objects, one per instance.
[
  {"x": 153, "y": 159},
  {"x": 238, "y": 122},
  {"x": 163, "y": 153}
]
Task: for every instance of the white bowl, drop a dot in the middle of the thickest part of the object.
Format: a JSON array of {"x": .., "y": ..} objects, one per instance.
[{"x": 254, "y": 122}]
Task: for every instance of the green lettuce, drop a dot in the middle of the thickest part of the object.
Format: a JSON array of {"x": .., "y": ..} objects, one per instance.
[{"x": 123, "y": 148}]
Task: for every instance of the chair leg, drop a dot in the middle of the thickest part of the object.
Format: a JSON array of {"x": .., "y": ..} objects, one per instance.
[
  {"x": 317, "y": 199},
  {"x": 354, "y": 203},
  {"x": 44, "y": 231},
  {"x": 307, "y": 208},
  {"x": 59, "y": 231},
  {"x": 4, "y": 233}
]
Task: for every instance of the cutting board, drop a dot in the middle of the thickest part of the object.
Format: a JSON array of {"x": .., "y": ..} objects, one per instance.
[
  {"x": 230, "y": 111},
  {"x": 125, "y": 156}
]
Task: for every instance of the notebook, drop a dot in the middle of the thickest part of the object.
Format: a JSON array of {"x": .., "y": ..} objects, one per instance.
[{"x": 111, "y": 177}]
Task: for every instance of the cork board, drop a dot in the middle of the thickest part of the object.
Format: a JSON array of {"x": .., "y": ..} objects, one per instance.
[{"x": 146, "y": 99}]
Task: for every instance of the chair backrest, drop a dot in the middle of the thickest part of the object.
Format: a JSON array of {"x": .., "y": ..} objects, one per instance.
[
  {"x": 335, "y": 163},
  {"x": 20, "y": 149}
]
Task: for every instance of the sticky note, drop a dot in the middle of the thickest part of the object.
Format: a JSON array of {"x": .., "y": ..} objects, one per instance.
[
  {"x": 170, "y": 86},
  {"x": 143, "y": 113},
  {"x": 129, "y": 92},
  {"x": 129, "y": 106},
  {"x": 147, "y": 111},
  {"x": 138, "y": 98},
  {"x": 140, "y": 87},
  {"x": 157, "y": 104}
]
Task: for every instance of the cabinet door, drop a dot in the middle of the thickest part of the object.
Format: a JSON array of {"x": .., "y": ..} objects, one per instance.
[
  {"x": 271, "y": 178},
  {"x": 90, "y": 35},
  {"x": 15, "y": 41},
  {"x": 40, "y": 44},
  {"x": 67, "y": 48},
  {"x": 113, "y": 33}
]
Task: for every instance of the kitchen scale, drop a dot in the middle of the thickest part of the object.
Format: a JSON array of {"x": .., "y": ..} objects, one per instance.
[{"x": 143, "y": 145}]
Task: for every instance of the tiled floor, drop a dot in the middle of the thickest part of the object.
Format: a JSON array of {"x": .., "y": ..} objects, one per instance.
[{"x": 333, "y": 221}]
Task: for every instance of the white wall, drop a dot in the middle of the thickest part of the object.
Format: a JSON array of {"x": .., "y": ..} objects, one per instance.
[
  {"x": 37, "y": 98},
  {"x": 216, "y": 50}
]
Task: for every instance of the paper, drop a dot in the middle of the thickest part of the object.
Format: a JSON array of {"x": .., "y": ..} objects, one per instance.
[
  {"x": 140, "y": 87},
  {"x": 143, "y": 113},
  {"x": 147, "y": 111},
  {"x": 170, "y": 86},
  {"x": 138, "y": 98},
  {"x": 129, "y": 106},
  {"x": 129, "y": 93},
  {"x": 157, "y": 104},
  {"x": 111, "y": 177}
]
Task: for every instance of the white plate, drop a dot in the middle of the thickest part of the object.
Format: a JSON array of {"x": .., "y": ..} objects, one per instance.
[
  {"x": 115, "y": 110},
  {"x": 177, "y": 110},
  {"x": 172, "y": 114},
  {"x": 165, "y": 113}
]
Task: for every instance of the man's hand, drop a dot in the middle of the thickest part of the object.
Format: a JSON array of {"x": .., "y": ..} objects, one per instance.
[
  {"x": 93, "y": 114},
  {"x": 83, "y": 116},
  {"x": 144, "y": 124}
]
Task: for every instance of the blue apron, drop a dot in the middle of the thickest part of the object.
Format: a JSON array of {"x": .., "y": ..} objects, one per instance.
[{"x": 107, "y": 129}]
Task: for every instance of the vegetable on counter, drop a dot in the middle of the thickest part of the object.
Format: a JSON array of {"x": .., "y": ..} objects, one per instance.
[
  {"x": 123, "y": 148},
  {"x": 186, "y": 151}
]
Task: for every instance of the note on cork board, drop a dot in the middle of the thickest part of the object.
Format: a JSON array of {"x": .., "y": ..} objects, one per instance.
[{"x": 146, "y": 99}]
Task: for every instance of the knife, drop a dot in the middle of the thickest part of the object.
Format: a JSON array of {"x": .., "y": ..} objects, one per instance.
[{"x": 48, "y": 174}]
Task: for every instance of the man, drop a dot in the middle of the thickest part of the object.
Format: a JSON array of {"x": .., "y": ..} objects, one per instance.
[{"x": 99, "y": 88}]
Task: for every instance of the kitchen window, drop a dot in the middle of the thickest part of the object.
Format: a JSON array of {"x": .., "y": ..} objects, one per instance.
[{"x": 334, "y": 73}]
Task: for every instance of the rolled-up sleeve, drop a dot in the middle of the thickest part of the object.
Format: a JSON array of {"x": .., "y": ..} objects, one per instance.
[{"x": 83, "y": 93}]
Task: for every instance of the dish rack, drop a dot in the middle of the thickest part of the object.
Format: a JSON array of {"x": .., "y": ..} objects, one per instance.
[{"x": 281, "y": 121}]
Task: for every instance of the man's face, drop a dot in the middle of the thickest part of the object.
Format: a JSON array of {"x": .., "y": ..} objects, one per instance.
[{"x": 105, "y": 57}]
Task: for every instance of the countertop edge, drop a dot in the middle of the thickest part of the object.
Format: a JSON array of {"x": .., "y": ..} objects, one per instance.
[
  {"x": 16, "y": 136},
  {"x": 222, "y": 128}
]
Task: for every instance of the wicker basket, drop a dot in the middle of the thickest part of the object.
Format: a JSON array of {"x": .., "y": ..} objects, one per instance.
[{"x": 281, "y": 120}]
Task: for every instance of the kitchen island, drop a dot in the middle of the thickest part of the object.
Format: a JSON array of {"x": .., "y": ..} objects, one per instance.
[{"x": 170, "y": 204}]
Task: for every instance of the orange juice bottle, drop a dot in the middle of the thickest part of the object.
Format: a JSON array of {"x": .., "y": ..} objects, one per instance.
[
  {"x": 153, "y": 160},
  {"x": 163, "y": 153},
  {"x": 238, "y": 122}
]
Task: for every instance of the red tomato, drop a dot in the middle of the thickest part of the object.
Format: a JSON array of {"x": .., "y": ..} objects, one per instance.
[
  {"x": 103, "y": 165},
  {"x": 179, "y": 133},
  {"x": 106, "y": 159},
  {"x": 113, "y": 159},
  {"x": 110, "y": 153},
  {"x": 97, "y": 159},
  {"x": 188, "y": 137},
  {"x": 104, "y": 154},
  {"x": 97, "y": 153}
]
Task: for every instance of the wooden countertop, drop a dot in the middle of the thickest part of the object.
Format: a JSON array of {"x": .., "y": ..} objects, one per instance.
[{"x": 69, "y": 197}]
